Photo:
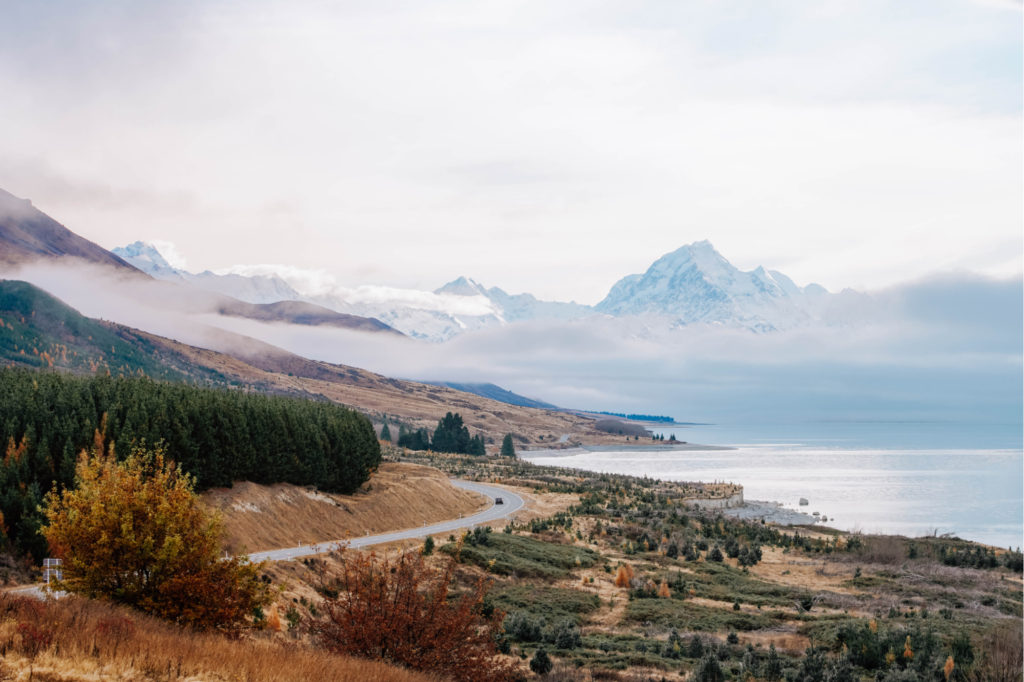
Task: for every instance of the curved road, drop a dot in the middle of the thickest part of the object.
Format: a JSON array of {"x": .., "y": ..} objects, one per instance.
[{"x": 512, "y": 504}]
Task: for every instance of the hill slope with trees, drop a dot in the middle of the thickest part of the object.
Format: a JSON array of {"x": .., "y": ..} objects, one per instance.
[{"x": 218, "y": 436}]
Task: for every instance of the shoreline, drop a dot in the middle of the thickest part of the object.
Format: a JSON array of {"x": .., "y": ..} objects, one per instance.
[
  {"x": 771, "y": 512},
  {"x": 586, "y": 449}
]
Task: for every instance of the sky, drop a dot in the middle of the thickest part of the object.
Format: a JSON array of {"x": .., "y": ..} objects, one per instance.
[{"x": 543, "y": 147}]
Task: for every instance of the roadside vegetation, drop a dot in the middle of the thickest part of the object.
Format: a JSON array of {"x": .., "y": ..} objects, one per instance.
[{"x": 217, "y": 436}]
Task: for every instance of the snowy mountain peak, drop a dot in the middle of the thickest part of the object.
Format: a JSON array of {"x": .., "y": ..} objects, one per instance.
[
  {"x": 463, "y": 286},
  {"x": 146, "y": 258},
  {"x": 695, "y": 283}
]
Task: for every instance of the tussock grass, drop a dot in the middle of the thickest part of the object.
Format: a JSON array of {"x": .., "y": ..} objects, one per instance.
[{"x": 76, "y": 639}]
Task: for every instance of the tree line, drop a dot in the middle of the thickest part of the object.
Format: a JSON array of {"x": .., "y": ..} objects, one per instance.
[
  {"x": 451, "y": 435},
  {"x": 217, "y": 435}
]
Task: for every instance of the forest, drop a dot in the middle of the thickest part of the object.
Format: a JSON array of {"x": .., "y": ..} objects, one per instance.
[{"x": 217, "y": 435}]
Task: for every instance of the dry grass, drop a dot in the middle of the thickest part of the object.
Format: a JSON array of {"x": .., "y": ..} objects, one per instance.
[
  {"x": 801, "y": 571},
  {"x": 398, "y": 496},
  {"x": 75, "y": 639}
]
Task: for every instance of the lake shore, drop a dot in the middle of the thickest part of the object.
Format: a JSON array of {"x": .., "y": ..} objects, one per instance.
[
  {"x": 770, "y": 512},
  {"x": 586, "y": 449}
]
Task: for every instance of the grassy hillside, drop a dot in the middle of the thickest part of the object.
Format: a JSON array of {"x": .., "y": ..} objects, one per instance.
[{"x": 37, "y": 330}]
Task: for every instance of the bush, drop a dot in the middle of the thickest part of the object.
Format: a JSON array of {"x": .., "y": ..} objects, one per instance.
[
  {"x": 135, "y": 533},
  {"x": 708, "y": 670},
  {"x": 399, "y": 610},
  {"x": 565, "y": 635},
  {"x": 541, "y": 662}
]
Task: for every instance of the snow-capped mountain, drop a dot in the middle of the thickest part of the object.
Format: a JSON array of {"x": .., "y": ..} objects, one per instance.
[
  {"x": 251, "y": 289},
  {"x": 692, "y": 285},
  {"x": 695, "y": 284},
  {"x": 516, "y": 307}
]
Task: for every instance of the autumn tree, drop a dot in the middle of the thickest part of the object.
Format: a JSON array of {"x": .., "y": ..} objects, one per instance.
[
  {"x": 400, "y": 610},
  {"x": 135, "y": 533}
]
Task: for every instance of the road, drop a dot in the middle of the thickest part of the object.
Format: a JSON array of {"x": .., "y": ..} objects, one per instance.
[{"x": 512, "y": 504}]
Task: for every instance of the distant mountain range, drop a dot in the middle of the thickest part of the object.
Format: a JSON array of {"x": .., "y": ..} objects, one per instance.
[{"x": 692, "y": 285}]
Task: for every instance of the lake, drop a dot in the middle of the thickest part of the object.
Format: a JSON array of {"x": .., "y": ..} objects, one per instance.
[{"x": 877, "y": 477}]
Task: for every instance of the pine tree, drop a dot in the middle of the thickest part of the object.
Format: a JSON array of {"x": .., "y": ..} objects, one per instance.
[
  {"x": 385, "y": 433},
  {"x": 508, "y": 448}
]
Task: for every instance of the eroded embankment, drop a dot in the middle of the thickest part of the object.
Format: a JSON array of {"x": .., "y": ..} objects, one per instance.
[{"x": 399, "y": 495}]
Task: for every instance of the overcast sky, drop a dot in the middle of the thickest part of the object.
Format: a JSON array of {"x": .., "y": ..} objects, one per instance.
[{"x": 550, "y": 147}]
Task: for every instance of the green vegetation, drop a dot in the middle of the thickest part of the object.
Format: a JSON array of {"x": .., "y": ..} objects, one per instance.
[
  {"x": 508, "y": 448},
  {"x": 544, "y": 601},
  {"x": 450, "y": 436},
  {"x": 39, "y": 331},
  {"x": 218, "y": 436},
  {"x": 520, "y": 556}
]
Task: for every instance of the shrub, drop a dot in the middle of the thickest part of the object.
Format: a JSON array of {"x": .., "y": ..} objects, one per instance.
[
  {"x": 708, "y": 670},
  {"x": 565, "y": 635},
  {"x": 135, "y": 533},
  {"x": 541, "y": 662},
  {"x": 398, "y": 609}
]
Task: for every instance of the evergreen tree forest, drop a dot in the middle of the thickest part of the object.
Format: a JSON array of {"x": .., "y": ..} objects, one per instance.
[
  {"x": 217, "y": 435},
  {"x": 451, "y": 435}
]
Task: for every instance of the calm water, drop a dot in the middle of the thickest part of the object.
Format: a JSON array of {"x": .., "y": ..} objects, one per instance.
[{"x": 911, "y": 479}]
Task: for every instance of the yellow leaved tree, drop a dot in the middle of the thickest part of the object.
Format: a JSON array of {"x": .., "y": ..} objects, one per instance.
[{"x": 135, "y": 533}]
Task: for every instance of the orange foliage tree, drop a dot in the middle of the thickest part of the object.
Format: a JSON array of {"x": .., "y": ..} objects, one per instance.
[
  {"x": 398, "y": 609},
  {"x": 134, "y": 532},
  {"x": 624, "y": 576}
]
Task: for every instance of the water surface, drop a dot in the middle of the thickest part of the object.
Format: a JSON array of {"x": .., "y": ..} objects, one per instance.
[{"x": 908, "y": 478}]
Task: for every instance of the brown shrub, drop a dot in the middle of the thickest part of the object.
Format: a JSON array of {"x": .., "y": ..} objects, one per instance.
[{"x": 397, "y": 609}]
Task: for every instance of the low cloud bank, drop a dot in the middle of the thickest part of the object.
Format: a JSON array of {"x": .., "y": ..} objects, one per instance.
[{"x": 945, "y": 348}]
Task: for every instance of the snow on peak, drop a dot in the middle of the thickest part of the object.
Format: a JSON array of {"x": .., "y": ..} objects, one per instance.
[
  {"x": 463, "y": 286},
  {"x": 695, "y": 283},
  {"x": 147, "y": 257}
]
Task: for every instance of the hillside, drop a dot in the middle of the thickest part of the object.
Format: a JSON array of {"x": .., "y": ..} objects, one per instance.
[
  {"x": 26, "y": 233},
  {"x": 37, "y": 330}
]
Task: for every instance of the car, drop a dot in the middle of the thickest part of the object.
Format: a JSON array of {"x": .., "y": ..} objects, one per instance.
[{"x": 498, "y": 500}]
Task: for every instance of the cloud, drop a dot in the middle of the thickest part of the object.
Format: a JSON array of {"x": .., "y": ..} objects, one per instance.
[
  {"x": 540, "y": 148},
  {"x": 320, "y": 284},
  {"x": 170, "y": 253}
]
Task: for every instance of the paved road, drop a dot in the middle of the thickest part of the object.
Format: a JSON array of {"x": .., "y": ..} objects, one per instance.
[{"x": 512, "y": 504}]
